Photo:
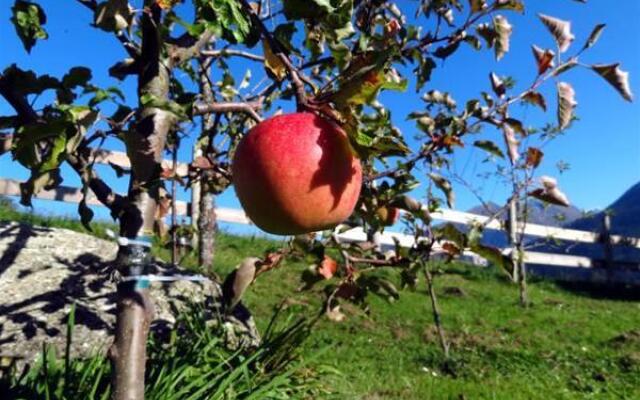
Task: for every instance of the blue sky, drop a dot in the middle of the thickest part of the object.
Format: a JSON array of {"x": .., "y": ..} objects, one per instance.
[{"x": 602, "y": 148}]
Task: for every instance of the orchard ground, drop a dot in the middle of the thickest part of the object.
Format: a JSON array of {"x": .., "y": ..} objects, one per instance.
[{"x": 571, "y": 343}]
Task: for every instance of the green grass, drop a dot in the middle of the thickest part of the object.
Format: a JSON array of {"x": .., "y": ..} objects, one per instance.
[{"x": 568, "y": 345}]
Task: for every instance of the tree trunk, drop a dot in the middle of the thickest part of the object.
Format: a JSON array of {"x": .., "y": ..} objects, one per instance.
[
  {"x": 207, "y": 225},
  {"x": 207, "y": 231},
  {"x": 145, "y": 145},
  {"x": 437, "y": 320},
  {"x": 513, "y": 236}
]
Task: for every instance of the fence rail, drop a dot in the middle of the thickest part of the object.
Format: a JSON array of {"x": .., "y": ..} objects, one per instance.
[{"x": 10, "y": 187}]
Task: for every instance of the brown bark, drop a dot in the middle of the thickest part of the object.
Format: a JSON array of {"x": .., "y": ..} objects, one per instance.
[
  {"x": 207, "y": 226},
  {"x": 206, "y": 202},
  {"x": 145, "y": 145}
]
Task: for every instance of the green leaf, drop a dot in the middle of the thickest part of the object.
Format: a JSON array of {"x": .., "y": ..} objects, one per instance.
[
  {"x": 28, "y": 20},
  {"x": 490, "y": 147},
  {"x": 37, "y": 182},
  {"x": 333, "y": 16},
  {"x": 449, "y": 232},
  {"x": 225, "y": 18},
  {"x": 299, "y": 9},
  {"x": 495, "y": 257},
  {"x": 150, "y": 100}
]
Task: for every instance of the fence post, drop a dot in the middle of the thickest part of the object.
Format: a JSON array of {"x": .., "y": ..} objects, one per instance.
[{"x": 605, "y": 238}]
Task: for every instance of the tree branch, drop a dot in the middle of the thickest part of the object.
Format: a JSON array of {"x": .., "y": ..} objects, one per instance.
[
  {"x": 212, "y": 108},
  {"x": 230, "y": 53},
  {"x": 296, "y": 77},
  {"x": 187, "y": 47},
  {"x": 79, "y": 162}
]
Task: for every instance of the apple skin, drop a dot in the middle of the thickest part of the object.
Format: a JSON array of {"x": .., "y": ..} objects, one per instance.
[{"x": 296, "y": 173}]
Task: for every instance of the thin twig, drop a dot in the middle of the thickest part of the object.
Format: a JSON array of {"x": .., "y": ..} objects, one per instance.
[{"x": 247, "y": 107}]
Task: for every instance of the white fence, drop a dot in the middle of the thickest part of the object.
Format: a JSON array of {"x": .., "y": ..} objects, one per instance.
[{"x": 11, "y": 187}]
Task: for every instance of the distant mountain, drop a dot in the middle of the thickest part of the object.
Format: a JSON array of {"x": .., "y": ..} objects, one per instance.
[
  {"x": 625, "y": 215},
  {"x": 625, "y": 220},
  {"x": 537, "y": 213}
]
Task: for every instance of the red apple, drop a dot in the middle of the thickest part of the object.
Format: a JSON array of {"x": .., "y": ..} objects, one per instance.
[{"x": 296, "y": 173}]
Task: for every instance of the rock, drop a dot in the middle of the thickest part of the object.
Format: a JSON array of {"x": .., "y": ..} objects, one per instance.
[{"x": 43, "y": 271}]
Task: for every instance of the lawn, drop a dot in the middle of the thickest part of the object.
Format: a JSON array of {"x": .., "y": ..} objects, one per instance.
[{"x": 570, "y": 344}]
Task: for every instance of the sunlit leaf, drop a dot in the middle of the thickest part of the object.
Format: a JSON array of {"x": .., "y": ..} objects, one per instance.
[
  {"x": 113, "y": 15},
  {"x": 616, "y": 77},
  {"x": 560, "y": 29},
  {"x": 511, "y": 143},
  {"x": 497, "y": 85},
  {"x": 503, "y": 31},
  {"x": 28, "y": 19},
  {"x": 272, "y": 62},
  {"x": 445, "y": 186},
  {"x": 550, "y": 192},
  {"x": 566, "y": 104}
]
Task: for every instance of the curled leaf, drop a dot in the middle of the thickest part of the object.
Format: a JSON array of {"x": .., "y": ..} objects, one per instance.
[
  {"x": 566, "y": 104},
  {"x": 477, "y": 5},
  {"x": 113, "y": 15},
  {"x": 594, "y": 36},
  {"x": 616, "y": 77},
  {"x": 503, "y": 31},
  {"x": 445, "y": 186},
  {"x": 560, "y": 29},
  {"x": 535, "y": 98},
  {"x": 544, "y": 59},
  {"x": 497, "y": 85},
  {"x": 511, "y": 142},
  {"x": 534, "y": 157},
  {"x": 272, "y": 62},
  {"x": 550, "y": 192}
]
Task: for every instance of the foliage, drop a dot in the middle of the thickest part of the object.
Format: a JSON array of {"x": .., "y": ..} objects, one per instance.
[
  {"x": 334, "y": 57},
  {"x": 192, "y": 362}
]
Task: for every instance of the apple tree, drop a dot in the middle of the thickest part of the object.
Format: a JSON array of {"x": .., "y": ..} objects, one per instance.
[{"x": 331, "y": 58}]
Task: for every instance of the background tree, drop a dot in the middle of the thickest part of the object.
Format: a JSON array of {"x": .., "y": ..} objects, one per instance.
[{"x": 333, "y": 58}]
